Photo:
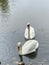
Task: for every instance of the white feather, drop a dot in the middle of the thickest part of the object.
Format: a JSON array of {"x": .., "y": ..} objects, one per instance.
[
  {"x": 32, "y": 33},
  {"x": 29, "y": 47}
]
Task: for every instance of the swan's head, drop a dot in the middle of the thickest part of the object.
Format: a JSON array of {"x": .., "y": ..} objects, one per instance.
[
  {"x": 28, "y": 24},
  {"x": 19, "y": 47}
]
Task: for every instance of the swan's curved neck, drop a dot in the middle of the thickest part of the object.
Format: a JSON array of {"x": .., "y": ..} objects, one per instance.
[
  {"x": 28, "y": 31},
  {"x": 20, "y": 49}
]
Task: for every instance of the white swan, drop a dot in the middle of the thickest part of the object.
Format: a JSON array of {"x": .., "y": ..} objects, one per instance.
[
  {"x": 29, "y": 47},
  {"x": 29, "y": 32}
]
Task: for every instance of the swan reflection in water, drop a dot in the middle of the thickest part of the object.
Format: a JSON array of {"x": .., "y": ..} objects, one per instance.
[
  {"x": 21, "y": 58},
  {"x": 32, "y": 55}
]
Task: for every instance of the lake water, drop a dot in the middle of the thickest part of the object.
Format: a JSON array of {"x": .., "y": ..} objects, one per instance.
[{"x": 14, "y": 15}]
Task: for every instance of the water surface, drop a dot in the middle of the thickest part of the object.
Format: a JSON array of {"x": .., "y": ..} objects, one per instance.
[{"x": 14, "y": 15}]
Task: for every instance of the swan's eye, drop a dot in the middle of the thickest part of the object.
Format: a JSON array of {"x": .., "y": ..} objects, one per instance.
[{"x": 28, "y": 25}]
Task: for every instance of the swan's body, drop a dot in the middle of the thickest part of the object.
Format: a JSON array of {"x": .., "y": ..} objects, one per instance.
[
  {"x": 29, "y": 32},
  {"x": 32, "y": 33},
  {"x": 29, "y": 47}
]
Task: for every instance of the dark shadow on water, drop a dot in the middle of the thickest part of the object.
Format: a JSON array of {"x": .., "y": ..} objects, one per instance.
[
  {"x": 4, "y": 5},
  {"x": 21, "y": 58},
  {"x": 32, "y": 55},
  {"x": 29, "y": 39}
]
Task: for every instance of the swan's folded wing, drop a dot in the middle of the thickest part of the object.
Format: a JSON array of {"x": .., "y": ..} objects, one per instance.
[
  {"x": 29, "y": 46},
  {"x": 26, "y": 34},
  {"x": 32, "y": 32}
]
